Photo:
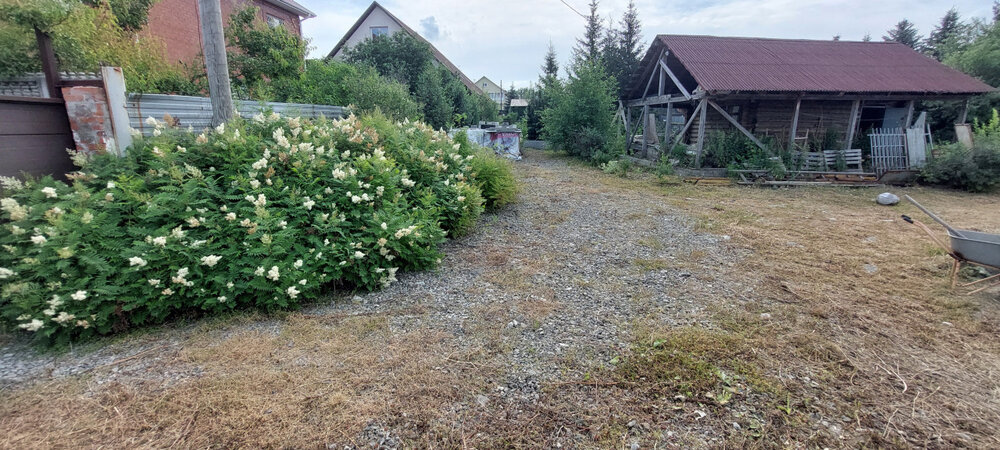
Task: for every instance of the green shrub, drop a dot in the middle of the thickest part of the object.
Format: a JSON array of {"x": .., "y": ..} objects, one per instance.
[
  {"x": 494, "y": 175},
  {"x": 343, "y": 84},
  {"x": 664, "y": 167},
  {"x": 261, "y": 213},
  {"x": 582, "y": 116},
  {"x": 618, "y": 167},
  {"x": 975, "y": 169}
]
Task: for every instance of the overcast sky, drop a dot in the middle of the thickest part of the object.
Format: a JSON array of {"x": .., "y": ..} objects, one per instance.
[{"x": 507, "y": 39}]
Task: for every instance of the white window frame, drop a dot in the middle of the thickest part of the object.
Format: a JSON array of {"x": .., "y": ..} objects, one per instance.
[{"x": 274, "y": 21}]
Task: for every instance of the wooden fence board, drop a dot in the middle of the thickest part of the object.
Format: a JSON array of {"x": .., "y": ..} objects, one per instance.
[{"x": 34, "y": 136}]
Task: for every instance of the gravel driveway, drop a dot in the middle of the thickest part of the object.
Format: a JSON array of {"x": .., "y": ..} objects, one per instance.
[{"x": 555, "y": 281}]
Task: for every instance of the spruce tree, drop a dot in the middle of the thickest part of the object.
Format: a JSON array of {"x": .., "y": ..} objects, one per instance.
[
  {"x": 629, "y": 47},
  {"x": 550, "y": 68},
  {"x": 905, "y": 33},
  {"x": 588, "y": 48},
  {"x": 946, "y": 36}
]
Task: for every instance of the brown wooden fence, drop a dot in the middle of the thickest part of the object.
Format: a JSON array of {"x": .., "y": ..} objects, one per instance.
[{"x": 34, "y": 136}]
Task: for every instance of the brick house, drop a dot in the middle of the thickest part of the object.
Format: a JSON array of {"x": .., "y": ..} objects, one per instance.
[{"x": 175, "y": 22}]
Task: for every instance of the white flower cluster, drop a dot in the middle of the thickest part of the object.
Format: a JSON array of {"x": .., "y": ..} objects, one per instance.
[
  {"x": 136, "y": 261},
  {"x": 260, "y": 201},
  {"x": 210, "y": 260},
  {"x": 181, "y": 278},
  {"x": 16, "y": 211}
]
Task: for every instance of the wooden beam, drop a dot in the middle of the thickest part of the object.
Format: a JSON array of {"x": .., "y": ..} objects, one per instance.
[
  {"x": 795, "y": 125},
  {"x": 701, "y": 132},
  {"x": 687, "y": 125},
  {"x": 663, "y": 67},
  {"x": 852, "y": 127},
  {"x": 50, "y": 66},
  {"x": 736, "y": 124},
  {"x": 909, "y": 114},
  {"x": 661, "y": 99},
  {"x": 965, "y": 112},
  {"x": 649, "y": 83}
]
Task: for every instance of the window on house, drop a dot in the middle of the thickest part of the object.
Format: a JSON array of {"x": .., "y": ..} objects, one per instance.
[
  {"x": 380, "y": 31},
  {"x": 274, "y": 22}
]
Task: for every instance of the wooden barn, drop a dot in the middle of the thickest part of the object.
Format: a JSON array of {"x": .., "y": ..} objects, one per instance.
[{"x": 792, "y": 91}]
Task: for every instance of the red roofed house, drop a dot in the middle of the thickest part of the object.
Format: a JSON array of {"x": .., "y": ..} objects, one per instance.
[
  {"x": 792, "y": 91},
  {"x": 176, "y": 23}
]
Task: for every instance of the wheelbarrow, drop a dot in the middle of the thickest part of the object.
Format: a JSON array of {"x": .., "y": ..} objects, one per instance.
[{"x": 967, "y": 247}]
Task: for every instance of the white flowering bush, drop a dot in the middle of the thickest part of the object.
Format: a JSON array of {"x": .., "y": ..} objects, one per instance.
[{"x": 262, "y": 213}]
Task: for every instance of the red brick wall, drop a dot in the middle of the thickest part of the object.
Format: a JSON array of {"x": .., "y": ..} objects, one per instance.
[
  {"x": 175, "y": 24},
  {"x": 89, "y": 117}
]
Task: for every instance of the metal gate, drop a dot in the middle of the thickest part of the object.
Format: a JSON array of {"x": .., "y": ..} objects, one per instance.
[
  {"x": 888, "y": 150},
  {"x": 34, "y": 136}
]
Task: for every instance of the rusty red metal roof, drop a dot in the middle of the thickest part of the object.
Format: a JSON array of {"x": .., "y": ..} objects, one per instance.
[{"x": 795, "y": 65}]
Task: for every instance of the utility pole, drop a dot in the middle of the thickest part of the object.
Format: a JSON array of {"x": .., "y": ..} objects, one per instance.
[{"x": 216, "y": 65}]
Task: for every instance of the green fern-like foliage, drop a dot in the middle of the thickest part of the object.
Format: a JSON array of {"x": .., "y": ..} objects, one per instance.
[{"x": 261, "y": 213}]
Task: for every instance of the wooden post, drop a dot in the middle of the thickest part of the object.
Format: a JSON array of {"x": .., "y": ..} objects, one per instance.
[
  {"x": 668, "y": 126},
  {"x": 965, "y": 112},
  {"x": 216, "y": 65},
  {"x": 795, "y": 125},
  {"x": 909, "y": 114},
  {"x": 645, "y": 131},
  {"x": 628, "y": 126},
  {"x": 663, "y": 83},
  {"x": 701, "y": 132},
  {"x": 50, "y": 66},
  {"x": 852, "y": 125}
]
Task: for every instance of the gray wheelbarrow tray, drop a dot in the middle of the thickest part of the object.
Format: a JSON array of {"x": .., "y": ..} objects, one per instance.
[{"x": 976, "y": 247}]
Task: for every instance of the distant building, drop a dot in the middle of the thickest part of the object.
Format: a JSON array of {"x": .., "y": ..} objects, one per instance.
[
  {"x": 378, "y": 21},
  {"x": 176, "y": 24},
  {"x": 518, "y": 103},
  {"x": 491, "y": 89},
  {"x": 792, "y": 91}
]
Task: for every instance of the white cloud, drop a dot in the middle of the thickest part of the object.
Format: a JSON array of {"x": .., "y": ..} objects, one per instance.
[{"x": 507, "y": 40}]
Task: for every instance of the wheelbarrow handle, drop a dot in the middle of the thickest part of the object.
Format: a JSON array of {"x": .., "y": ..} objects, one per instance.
[
  {"x": 937, "y": 219},
  {"x": 931, "y": 235}
]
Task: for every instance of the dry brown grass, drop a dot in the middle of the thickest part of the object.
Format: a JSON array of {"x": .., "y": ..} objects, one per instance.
[
  {"x": 318, "y": 381},
  {"x": 908, "y": 360}
]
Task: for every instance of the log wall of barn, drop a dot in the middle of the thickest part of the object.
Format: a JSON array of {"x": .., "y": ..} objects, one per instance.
[{"x": 773, "y": 118}]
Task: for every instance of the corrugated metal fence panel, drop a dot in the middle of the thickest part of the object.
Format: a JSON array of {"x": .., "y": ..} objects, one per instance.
[{"x": 196, "y": 112}]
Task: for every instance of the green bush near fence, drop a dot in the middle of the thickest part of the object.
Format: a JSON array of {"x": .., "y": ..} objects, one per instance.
[
  {"x": 975, "y": 169},
  {"x": 263, "y": 213}
]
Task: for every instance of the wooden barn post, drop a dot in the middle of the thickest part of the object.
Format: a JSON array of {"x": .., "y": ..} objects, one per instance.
[
  {"x": 795, "y": 125},
  {"x": 701, "y": 131},
  {"x": 852, "y": 125}
]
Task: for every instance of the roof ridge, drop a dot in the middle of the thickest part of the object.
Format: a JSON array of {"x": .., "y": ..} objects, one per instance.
[
  {"x": 756, "y": 38},
  {"x": 434, "y": 51}
]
